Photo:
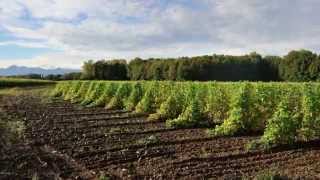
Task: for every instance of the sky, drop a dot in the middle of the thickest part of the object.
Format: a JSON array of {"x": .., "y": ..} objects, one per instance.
[{"x": 65, "y": 33}]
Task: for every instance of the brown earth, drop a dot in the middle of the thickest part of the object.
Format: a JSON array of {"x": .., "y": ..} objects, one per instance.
[{"x": 67, "y": 141}]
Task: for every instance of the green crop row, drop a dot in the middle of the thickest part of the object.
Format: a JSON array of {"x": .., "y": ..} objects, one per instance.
[
  {"x": 283, "y": 112},
  {"x": 12, "y": 82}
]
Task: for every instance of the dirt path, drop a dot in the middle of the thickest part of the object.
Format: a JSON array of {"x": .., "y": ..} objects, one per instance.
[{"x": 127, "y": 146}]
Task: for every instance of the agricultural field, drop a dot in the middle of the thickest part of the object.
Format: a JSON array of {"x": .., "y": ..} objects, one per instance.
[
  {"x": 165, "y": 130},
  {"x": 15, "y": 82}
]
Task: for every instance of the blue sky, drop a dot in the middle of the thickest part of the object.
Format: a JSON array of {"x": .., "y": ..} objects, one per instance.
[
  {"x": 18, "y": 52},
  {"x": 62, "y": 33}
]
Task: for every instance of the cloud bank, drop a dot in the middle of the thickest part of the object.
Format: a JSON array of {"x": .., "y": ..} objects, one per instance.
[{"x": 96, "y": 29}]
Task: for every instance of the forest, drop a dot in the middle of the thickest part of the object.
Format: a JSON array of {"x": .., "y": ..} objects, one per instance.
[{"x": 298, "y": 65}]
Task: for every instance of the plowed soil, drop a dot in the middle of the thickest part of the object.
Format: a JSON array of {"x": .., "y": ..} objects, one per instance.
[{"x": 72, "y": 142}]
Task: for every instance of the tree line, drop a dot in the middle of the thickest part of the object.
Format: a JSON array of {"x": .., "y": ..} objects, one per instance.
[{"x": 298, "y": 65}]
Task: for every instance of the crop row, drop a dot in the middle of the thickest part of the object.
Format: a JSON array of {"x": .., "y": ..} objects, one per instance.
[{"x": 283, "y": 112}]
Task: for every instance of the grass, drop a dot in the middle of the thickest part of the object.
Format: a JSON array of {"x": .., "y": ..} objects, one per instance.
[
  {"x": 11, "y": 129},
  {"x": 149, "y": 140},
  {"x": 14, "y": 82},
  {"x": 269, "y": 175}
]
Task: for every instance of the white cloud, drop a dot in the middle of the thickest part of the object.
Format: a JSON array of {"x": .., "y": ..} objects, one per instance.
[
  {"x": 47, "y": 61},
  {"x": 130, "y": 28},
  {"x": 24, "y": 44}
]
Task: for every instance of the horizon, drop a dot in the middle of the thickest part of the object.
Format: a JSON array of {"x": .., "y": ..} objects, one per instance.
[
  {"x": 62, "y": 34},
  {"x": 128, "y": 60},
  {"x": 31, "y": 67}
]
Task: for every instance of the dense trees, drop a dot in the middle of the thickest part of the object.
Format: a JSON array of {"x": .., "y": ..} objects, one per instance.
[
  {"x": 217, "y": 67},
  {"x": 111, "y": 70},
  {"x": 88, "y": 70},
  {"x": 299, "y": 65}
]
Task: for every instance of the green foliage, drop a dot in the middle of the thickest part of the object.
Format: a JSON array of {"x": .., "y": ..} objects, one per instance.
[
  {"x": 87, "y": 97},
  {"x": 110, "y": 70},
  {"x": 311, "y": 113},
  {"x": 283, "y": 127},
  {"x": 95, "y": 94},
  {"x": 171, "y": 107},
  {"x": 300, "y": 65},
  {"x": 203, "y": 68},
  {"x": 239, "y": 118},
  {"x": 14, "y": 82},
  {"x": 283, "y": 112},
  {"x": 263, "y": 100},
  {"x": 135, "y": 97},
  {"x": 107, "y": 93},
  {"x": 148, "y": 102},
  {"x": 72, "y": 91},
  {"x": 191, "y": 116},
  {"x": 60, "y": 89},
  {"x": 88, "y": 70},
  {"x": 217, "y": 103},
  {"x": 117, "y": 101},
  {"x": 79, "y": 92}
]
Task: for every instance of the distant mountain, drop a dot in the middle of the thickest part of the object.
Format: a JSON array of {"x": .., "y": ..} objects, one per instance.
[{"x": 22, "y": 70}]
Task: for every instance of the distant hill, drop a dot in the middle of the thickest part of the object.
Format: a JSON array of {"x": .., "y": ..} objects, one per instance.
[{"x": 22, "y": 70}]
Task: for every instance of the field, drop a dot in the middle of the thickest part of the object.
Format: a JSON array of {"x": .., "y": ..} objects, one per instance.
[
  {"x": 167, "y": 130},
  {"x": 13, "y": 82}
]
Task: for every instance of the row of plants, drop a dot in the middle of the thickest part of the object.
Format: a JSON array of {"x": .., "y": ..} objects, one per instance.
[{"x": 283, "y": 112}]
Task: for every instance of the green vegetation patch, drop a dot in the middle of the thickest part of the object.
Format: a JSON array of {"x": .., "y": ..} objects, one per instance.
[
  {"x": 12, "y": 82},
  {"x": 283, "y": 113}
]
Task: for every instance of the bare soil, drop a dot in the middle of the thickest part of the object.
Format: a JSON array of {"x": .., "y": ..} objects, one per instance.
[{"x": 64, "y": 140}]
